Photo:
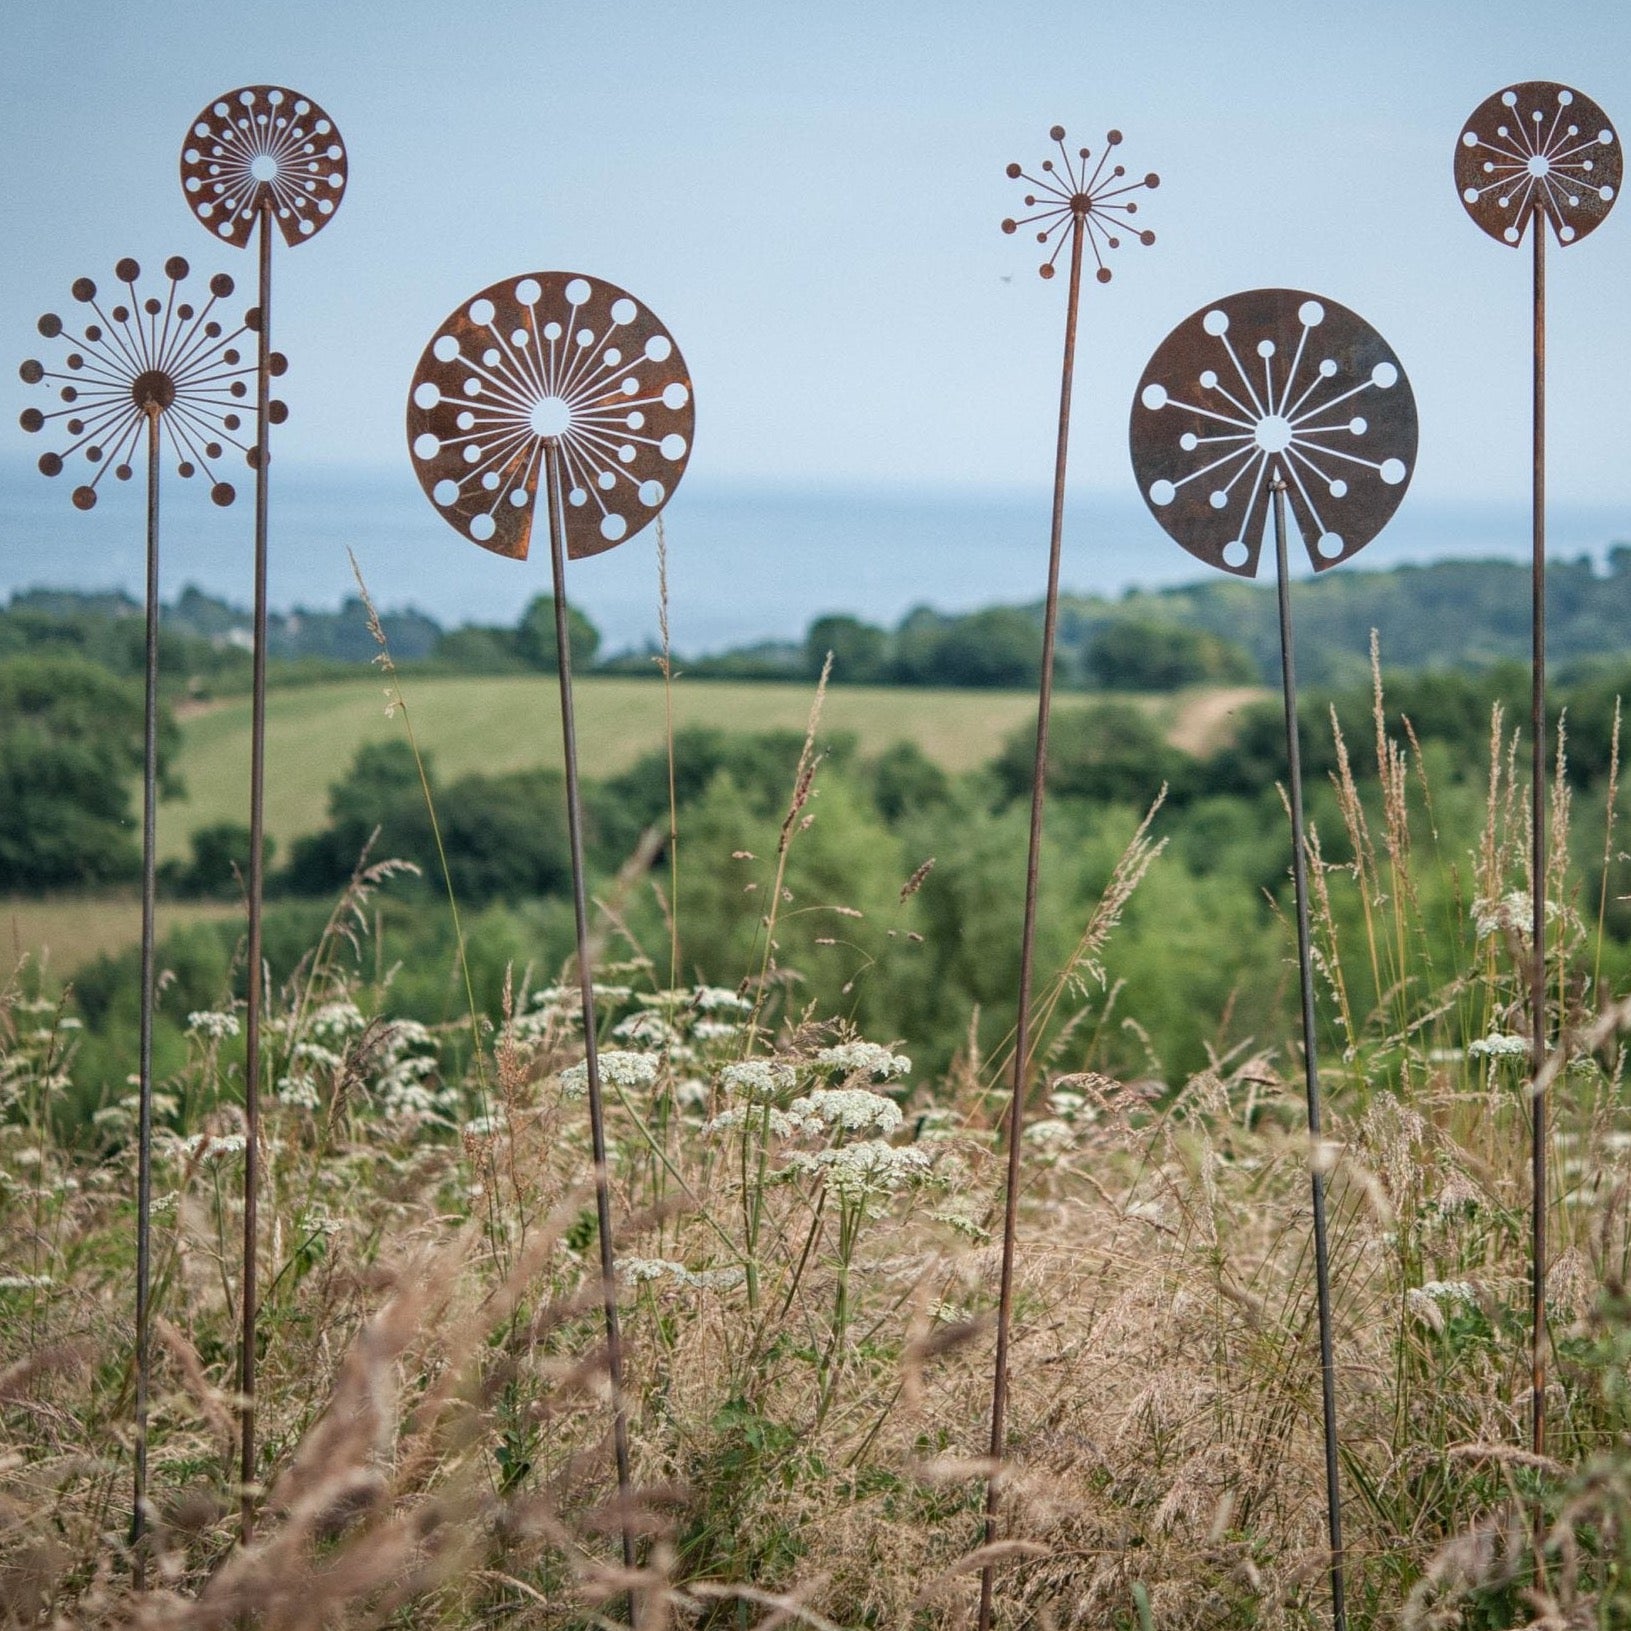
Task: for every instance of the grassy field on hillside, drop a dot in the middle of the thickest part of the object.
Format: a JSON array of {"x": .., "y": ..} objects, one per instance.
[
  {"x": 510, "y": 723},
  {"x": 65, "y": 931}
]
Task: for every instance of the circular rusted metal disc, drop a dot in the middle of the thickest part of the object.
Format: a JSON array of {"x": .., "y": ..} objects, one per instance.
[
  {"x": 263, "y": 143},
  {"x": 550, "y": 356},
  {"x": 1538, "y": 147},
  {"x": 1265, "y": 381}
]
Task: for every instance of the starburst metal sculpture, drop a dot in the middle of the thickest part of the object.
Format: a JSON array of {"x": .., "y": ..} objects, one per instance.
[
  {"x": 1069, "y": 193},
  {"x": 1090, "y": 210},
  {"x": 1534, "y": 155},
  {"x": 564, "y": 382},
  {"x": 1270, "y": 400},
  {"x": 161, "y": 371},
  {"x": 260, "y": 156}
]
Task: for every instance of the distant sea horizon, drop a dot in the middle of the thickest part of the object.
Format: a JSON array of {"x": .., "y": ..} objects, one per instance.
[{"x": 745, "y": 564}]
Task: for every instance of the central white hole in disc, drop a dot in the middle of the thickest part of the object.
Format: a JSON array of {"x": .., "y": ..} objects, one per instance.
[
  {"x": 550, "y": 416},
  {"x": 1274, "y": 433},
  {"x": 263, "y": 167},
  {"x": 1540, "y": 165}
]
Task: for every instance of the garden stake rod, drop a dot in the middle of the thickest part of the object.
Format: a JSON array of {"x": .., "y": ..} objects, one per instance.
[
  {"x": 162, "y": 370},
  {"x": 1096, "y": 207},
  {"x": 258, "y": 156},
  {"x": 1311, "y": 1079},
  {"x": 564, "y": 380},
  {"x": 1533, "y": 154},
  {"x": 586, "y": 990},
  {"x": 1264, "y": 401}
]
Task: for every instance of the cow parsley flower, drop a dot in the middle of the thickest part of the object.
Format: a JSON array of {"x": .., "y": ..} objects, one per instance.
[
  {"x": 213, "y": 1027},
  {"x": 1496, "y": 1046},
  {"x": 857, "y": 1172},
  {"x": 853, "y": 1109},
  {"x": 864, "y": 1058},
  {"x": 619, "y": 1069},
  {"x": 758, "y": 1080}
]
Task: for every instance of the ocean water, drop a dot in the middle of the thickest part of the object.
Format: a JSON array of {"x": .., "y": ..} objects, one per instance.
[{"x": 744, "y": 564}]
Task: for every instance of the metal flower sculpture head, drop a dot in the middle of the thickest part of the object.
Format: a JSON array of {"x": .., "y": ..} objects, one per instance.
[
  {"x": 1273, "y": 383},
  {"x": 158, "y": 358},
  {"x": 1068, "y": 191},
  {"x": 1538, "y": 150},
  {"x": 550, "y": 358},
  {"x": 263, "y": 145}
]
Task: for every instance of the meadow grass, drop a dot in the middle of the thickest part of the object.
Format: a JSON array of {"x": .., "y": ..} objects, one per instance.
[
  {"x": 807, "y": 1266},
  {"x": 62, "y": 932}
]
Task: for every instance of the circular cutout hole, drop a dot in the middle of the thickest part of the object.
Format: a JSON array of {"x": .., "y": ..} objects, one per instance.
[
  {"x": 624, "y": 311},
  {"x": 675, "y": 396},
  {"x": 613, "y": 527},
  {"x": 1393, "y": 471},
  {"x": 445, "y": 492},
  {"x": 1216, "y": 322},
  {"x": 482, "y": 312},
  {"x": 1235, "y": 553},
  {"x": 659, "y": 348},
  {"x": 426, "y": 395},
  {"x": 482, "y": 528},
  {"x": 445, "y": 349},
  {"x": 528, "y": 291},
  {"x": 672, "y": 446},
  {"x": 1162, "y": 492},
  {"x": 1330, "y": 545},
  {"x": 578, "y": 291},
  {"x": 426, "y": 446},
  {"x": 1154, "y": 397}
]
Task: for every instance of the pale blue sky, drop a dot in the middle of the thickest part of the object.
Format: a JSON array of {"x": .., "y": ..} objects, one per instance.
[{"x": 809, "y": 196}]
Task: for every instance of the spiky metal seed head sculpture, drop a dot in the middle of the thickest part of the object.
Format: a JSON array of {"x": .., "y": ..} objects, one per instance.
[
  {"x": 1068, "y": 191},
  {"x": 158, "y": 355}
]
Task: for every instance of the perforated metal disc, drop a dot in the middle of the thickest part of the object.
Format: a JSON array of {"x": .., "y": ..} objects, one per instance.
[
  {"x": 1538, "y": 147},
  {"x": 1273, "y": 379},
  {"x": 263, "y": 142},
  {"x": 550, "y": 356}
]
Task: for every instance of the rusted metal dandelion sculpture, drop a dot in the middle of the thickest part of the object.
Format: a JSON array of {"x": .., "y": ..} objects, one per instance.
[
  {"x": 564, "y": 382},
  {"x": 257, "y": 158},
  {"x": 1265, "y": 401},
  {"x": 1089, "y": 205},
  {"x": 1532, "y": 156},
  {"x": 139, "y": 376}
]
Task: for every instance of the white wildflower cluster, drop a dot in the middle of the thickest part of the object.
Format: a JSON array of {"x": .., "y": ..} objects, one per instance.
[
  {"x": 1496, "y": 1046},
  {"x": 25, "y": 1282},
  {"x": 1512, "y": 913},
  {"x": 715, "y": 999},
  {"x": 761, "y": 1118},
  {"x": 648, "y": 1028},
  {"x": 851, "y": 1109},
  {"x": 315, "y": 1055},
  {"x": 336, "y": 1021},
  {"x": 619, "y": 1069},
  {"x": 1051, "y": 1134},
  {"x": 758, "y": 1080},
  {"x": 212, "y": 1146},
  {"x": 1431, "y": 1302},
  {"x": 863, "y": 1059},
  {"x": 715, "y": 1030},
  {"x": 211, "y": 1026},
  {"x": 299, "y": 1091},
  {"x": 858, "y": 1172},
  {"x": 408, "y": 1063},
  {"x": 484, "y": 1126},
  {"x": 643, "y": 1270},
  {"x": 961, "y": 1218}
]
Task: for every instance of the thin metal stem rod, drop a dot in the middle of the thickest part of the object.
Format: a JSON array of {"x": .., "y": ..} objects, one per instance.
[
  {"x": 1305, "y": 970},
  {"x": 1537, "y": 858},
  {"x": 586, "y": 990},
  {"x": 253, "y": 958},
  {"x": 144, "y": 1113},
  {"x": 1027, "y": 940}
]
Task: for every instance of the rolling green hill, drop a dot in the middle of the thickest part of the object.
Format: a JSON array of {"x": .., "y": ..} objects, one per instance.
[{"x": 505, "y": 723}]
